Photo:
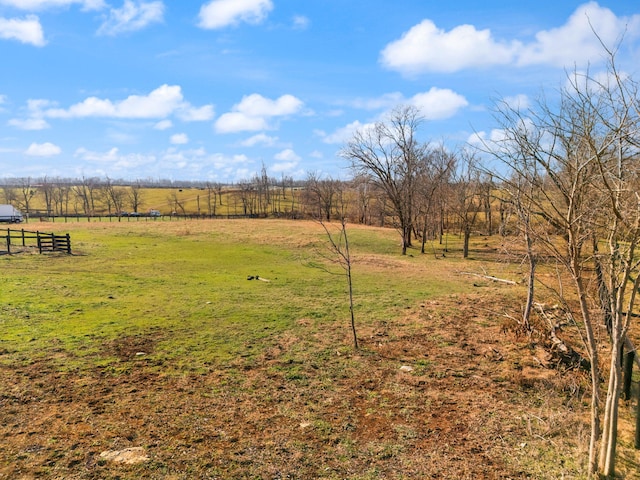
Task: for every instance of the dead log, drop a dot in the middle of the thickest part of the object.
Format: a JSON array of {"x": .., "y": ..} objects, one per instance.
[{"x": 489, "y": 277}]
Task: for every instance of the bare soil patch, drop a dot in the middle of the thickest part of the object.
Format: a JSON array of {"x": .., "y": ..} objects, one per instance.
[{"x": 476, "y": 402}]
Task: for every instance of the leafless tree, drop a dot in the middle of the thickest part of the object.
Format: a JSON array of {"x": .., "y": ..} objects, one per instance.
[
  {"x": 47, "y": 188},
  {"x": 575, "y": 169},
  {"x": 175, "y": 203},
  {"x": 114, "y": 196},
  {"x": 392, "y": 156},
  {"x": 338, "y": 253},
  {"x": 320, "y": 196},
  {"x": 27, "y": 191},
  {"x": 136, "y": 196},
  {"x": 437, "y": 170},
  {"x": 465, "y": 199},
  {"x": 85, "y": 192},
  {"x": 9, "y": 194}
]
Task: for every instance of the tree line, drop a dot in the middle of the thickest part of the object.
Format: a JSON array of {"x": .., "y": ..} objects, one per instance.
[{"x": 443, "y": 200}]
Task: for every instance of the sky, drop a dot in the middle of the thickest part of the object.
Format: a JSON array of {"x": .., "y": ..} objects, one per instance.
[{"x": 217, "y": 90}]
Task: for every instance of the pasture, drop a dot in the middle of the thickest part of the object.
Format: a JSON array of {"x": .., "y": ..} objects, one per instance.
[{"x": 152, "y": 337}]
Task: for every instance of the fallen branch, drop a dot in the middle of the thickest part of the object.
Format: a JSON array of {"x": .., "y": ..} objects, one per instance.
[
  {"x": 489, "y": 277},
  {"x": 257, "y": 277}
]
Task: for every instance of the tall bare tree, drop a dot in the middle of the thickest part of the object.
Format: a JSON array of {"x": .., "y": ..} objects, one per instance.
[
  {"x": 575, "y": 166},
  {"x": 392, "y": 156}
]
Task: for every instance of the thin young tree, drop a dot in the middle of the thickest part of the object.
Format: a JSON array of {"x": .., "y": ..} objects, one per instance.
[{"x": 338, "y": 241}]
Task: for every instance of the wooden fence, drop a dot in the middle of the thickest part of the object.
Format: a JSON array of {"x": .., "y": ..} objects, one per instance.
[{"x": 44, "y": 242}]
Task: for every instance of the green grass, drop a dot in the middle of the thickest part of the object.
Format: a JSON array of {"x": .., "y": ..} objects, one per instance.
[{"x": 187, "y": 284}]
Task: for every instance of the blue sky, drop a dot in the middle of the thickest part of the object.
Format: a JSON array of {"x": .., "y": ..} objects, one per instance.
[{"x": 214, "y": 90}]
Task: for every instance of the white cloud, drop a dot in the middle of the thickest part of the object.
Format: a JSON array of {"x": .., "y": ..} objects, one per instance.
[
  {"x": 256, "y": 105},
  {"x": 253, "y": 112},
  {"x": 222, "y": 13},
  {"x": 435, "y": 104},
  {"x": 517, "y": 102},
  {"x": 287, "y": 155},
  {"x": 438, "y": 103},
  {"x": 114, "y": 160},
  {"x": 46, "y": 149},
  {"x": 160, "y": 103},
  {"x": 287, "y": 160},
  {"x": 36, "y": 105},
  {"x": 196, "y": 114},
  {"x": 32, "y": 5},
  {"x": 163, "y": 125},
  {"x": 300, "y": 22},
  {"x": 239, "y": 122},
  {"x": 179, "y": 139},
  {"x": 574, "y": 42},
  {"x": 427, "y": 48},
  {"x": 29, "y": 123},
  {"x": 27, "y": 30},
  {"x": 259, "y": 139},
  {"x": 131, "y": 17},
  {"x": 280, "y": 167},
  {"x": 345, "y": 133},
  {"x": 35, "y": 120}
]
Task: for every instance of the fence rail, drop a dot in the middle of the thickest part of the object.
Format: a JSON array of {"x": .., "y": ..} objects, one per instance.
[{"x": 44, "y": 242}]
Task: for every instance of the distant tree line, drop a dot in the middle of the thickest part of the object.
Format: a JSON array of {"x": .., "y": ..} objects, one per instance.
[{"x": 441, "y": 197}]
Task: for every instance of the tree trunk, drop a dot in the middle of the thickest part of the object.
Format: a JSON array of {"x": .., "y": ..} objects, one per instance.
[
  {"x": 424, "y": 235},
  {"x": 610, "y": 423},
  {"x": 595, "y": 369},
  {"x": 526, "y": 316},
  {"x": 465, "y": 246}
]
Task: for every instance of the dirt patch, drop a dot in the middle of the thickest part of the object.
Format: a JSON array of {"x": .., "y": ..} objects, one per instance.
[
  {"x": 475, "y": 404},
  {"x": 132, "y": 346}
]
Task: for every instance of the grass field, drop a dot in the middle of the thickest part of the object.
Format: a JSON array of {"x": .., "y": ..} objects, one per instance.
[{"x": 152, "y": 336}]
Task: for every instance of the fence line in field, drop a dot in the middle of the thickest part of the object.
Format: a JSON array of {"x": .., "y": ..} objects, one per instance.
[{"x": 138, "y": 218}]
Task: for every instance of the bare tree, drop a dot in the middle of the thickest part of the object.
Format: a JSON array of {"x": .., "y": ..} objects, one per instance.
[
  {"x": 175, "y": 203},
  {"x": 47, "y": 188},
  {"x": 85, "y": 193},
  {"x": 439, "y": 165},
  {"x": 339, "y": 253},
  {"x": 575, "y": 168},
  {"x": 465, "y": 196},
  {"x": 136, "y": 196},
  {"x": 392, "y": 156},
  {"x": 9, "y": 194},
  {"x": 114, "y": 196},
  {"x": 27, "y": 191},
  {"x": 320, "y": 195}
]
